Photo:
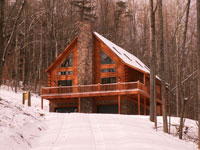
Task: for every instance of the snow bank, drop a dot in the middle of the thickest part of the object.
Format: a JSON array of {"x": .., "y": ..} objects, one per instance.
[{"x": 19, "y": 124}]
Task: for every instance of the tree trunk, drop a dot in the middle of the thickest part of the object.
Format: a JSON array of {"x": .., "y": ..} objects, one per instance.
[
  {"x": 16, "y": 81},
  {"x": 198, "y": 51},
  {"x": 183, "y": 102},
  {"x": 40, "y": 60},
  {"x": 181, "y": 120},
  {"x": 177, "y": 61},
  {"x": 152, "y": 59},
  {"x": 1, "y": 37},
  {"x": 162, "y": 67}
]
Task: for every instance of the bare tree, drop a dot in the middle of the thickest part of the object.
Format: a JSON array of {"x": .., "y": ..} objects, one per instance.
[
  {"x": 198, "y": 51},
  {"x": 1, "y": 37},
  {"x": 178, "y": 58},
  {"x": 152, "y": 64},
  {"x": 183, "y": 49},
  {"x": 162, "y": 67},
  {"x": 6, "y": 46}
]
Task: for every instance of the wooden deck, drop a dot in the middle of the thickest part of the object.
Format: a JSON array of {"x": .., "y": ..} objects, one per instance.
[{"x": 97, "y": 90}]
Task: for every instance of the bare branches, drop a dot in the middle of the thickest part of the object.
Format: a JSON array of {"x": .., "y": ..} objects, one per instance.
[
  {"x": 198, "y": 52},
  {"x": 6, "y": 49}
]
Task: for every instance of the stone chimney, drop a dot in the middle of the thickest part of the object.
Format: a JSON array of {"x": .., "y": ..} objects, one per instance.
[
  {"x": 85, "y": 53},
  {"x": 85, "y": 61}
]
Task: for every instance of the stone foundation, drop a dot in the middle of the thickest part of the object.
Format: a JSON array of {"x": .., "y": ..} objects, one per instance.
[
  {"x": 87, "y": 105},
  {"x": 128, "y": 107}
]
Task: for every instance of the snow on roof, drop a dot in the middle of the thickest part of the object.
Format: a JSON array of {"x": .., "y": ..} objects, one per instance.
[{"x": 127, "y": 57}]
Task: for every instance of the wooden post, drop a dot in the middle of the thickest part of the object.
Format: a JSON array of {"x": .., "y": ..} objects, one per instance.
[
  {"x": 145, "y": 106},
  {"x": 79, "y": 88},
  {"x": 119, "y": 104},
  {"x": 29, "y": 99},
  {"x": 23, "y": 98},
  {"x": 79, "y": 104},
  {"x": 160, "y": 109},
  {"x": 99, "y": 86},
  {"x": 138, "y": 84},
  {"x": 119, "y": 86},
  {"x": 42, "y": 102},
  {"x": 144, "y": 80},
  {"x": 138, "y": 104},
  {"x": 26, "y": 96}
]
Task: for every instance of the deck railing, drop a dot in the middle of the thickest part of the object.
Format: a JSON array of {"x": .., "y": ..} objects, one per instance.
[{"x": 120, "y": 86}]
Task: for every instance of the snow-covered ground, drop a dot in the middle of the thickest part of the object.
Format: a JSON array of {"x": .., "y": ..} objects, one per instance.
[{"x": 24, "y": 128}]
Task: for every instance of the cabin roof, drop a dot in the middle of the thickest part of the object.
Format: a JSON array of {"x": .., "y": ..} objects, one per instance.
[{"x": 127, "y": 57}]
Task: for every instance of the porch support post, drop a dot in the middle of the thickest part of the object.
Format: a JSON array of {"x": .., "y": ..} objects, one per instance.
[
  {"x": 42, "y": 102},
  {"x": 145, "y": 106},
  {"x": 138, "y": 104},
  {"x": 160, "y": 109},
  {"x": 144, "y": 80},
  {"x": 119, "y": 104},
  {"x": 79, "y": 104}
]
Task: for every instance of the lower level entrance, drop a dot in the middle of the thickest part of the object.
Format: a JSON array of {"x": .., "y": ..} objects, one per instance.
[
  {"x": 67, "y": 109},
  {"x": 107, "y": 109}
]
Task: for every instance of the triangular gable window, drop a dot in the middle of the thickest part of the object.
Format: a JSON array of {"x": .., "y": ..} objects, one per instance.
[
  {"x": 105, "y": 59},
  {"x": 68, "y": 62}
]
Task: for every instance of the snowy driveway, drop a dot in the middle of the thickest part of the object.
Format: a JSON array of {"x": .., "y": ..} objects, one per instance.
[{"x": 104, "y": 132}]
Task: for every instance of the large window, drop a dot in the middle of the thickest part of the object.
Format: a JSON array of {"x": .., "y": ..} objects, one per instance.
[
  {"x": 108, "y": 70},
  {"x": 105, "y": 59},
  {"x": 108, "y": 80},
  {"x": 64, "y": 82},
  {"x": 68, "y": 62}
]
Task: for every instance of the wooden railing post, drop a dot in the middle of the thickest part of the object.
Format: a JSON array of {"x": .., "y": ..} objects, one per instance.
[
  {"x": 79, "y": 88},
  {"x": 138, "y": 84},
  {"x": 59, "y": 91},
  {"x": 119, "y": 86},
  {"x": 99, "y": 86}
]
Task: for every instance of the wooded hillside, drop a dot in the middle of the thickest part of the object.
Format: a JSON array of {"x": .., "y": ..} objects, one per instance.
[{"x": 33, "y": 33}]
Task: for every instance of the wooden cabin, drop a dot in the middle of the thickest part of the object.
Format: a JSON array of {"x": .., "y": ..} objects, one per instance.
[{"x": 94, "y": 75}]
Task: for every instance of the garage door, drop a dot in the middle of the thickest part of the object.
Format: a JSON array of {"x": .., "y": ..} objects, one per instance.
[
  {"x": 107, "y": 109},
  {"x": 67, "y": 109}
]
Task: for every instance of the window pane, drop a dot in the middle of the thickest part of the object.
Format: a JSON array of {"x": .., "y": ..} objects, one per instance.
[
  {"x": 105, "y": 59},
  {"x": 65, "y": 73},
  {"x": 108, "y": 80},
  {"x": 68, "y": 62},
  {"x": 108, "y": 70},
  {"x": 64, "y": 82}
]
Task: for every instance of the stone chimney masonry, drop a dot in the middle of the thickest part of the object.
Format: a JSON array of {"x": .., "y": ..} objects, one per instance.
[
  {"x": 85, "y": 61},
  {"x": 85, "y": 53}
]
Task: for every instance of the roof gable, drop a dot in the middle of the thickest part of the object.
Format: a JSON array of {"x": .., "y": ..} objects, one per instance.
[
  {"x": 125, "y": 56},
  {"x": 62, "y": 56}
]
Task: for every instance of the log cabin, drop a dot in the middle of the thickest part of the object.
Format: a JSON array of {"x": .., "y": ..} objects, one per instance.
[{"x": 94, "y": 75}]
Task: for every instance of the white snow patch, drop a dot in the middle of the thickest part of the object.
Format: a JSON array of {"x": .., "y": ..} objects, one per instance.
[
  {"x": 77, "y": 131},
  {"x": 20, "y": 125}
]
